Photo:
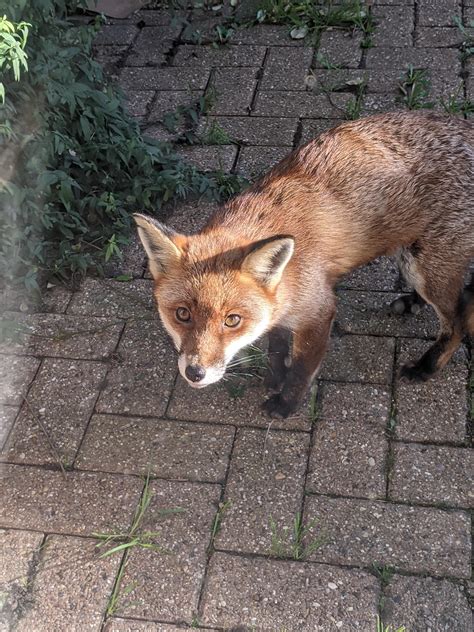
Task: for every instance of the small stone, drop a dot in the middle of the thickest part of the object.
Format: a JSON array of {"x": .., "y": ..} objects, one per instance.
[
  {"x": 332, "y": 586},
  {"x": 371, "y": 461},
  {"x": 279, "y": 476}
]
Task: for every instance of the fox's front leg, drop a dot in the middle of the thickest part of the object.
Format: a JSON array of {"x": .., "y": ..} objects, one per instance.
[
  {"x": 278, "y": 355},
  {"x": 309, "y": 346}
]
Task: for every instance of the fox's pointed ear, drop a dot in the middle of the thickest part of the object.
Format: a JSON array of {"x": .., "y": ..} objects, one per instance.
[
  {"x": 157, "y": 239},
  {"x": 268, "y": 258}
]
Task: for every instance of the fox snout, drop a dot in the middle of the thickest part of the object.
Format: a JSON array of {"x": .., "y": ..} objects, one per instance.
[{"x": 196, "y": 374}]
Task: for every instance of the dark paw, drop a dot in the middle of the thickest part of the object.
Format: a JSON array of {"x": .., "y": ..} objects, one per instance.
[
  {"x": 413, "y": 372},
  {"x": 273, "y": 383},
  {"x": 278, "y": 408}
]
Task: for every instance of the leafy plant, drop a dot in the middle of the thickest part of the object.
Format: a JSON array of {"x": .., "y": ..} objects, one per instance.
[
  {"x": 73, "y": 164},
  {"x": 415, "y": 89},
  {"x": 12, "y": 49},
  {"x": 467, "y": 47},
  {"x": 311, "y": 18}
]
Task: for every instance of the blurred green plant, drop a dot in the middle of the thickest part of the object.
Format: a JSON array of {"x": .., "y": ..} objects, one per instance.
[{"x": 73, "y": 164}]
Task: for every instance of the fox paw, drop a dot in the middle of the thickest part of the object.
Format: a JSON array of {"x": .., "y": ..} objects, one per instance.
[
  {"x": 273, "y": 383},
  {"x": 277, "y": 407},
  {"x": 412, "y": 372}
]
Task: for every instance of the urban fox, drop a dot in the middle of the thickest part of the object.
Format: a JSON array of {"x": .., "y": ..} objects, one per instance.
[{"x": 268, "y": 260}]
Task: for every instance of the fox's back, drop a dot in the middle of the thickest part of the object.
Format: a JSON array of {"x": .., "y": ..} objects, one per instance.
[{"x": 374, "y": 184}]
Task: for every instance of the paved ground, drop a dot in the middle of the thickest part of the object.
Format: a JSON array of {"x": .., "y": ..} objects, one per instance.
[{"x": 380, "y": 471}]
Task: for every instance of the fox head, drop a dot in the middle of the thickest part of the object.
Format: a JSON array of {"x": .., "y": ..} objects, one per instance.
[{"x": 214, "y": 295}]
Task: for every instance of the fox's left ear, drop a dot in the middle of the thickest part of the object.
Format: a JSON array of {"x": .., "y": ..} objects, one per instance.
[
  {"x": 158, "y": 241},
  {"x": 268, "y": 258}
]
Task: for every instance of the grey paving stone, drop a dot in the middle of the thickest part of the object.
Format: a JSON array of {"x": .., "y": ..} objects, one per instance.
[
  {"x": 400, "y": 57},
  {"x": 154, "y": 17},
  {"x": 435, "y": 410},
  {"x": 153, "y": 35},
  {"x": 255, "y": 161},
  {"x": 439, "y": 37},
  {"x": 110, "y": 57},
  {"x": 245, "y": 594},
  {"x": 379, "y": 103},
  {"x": 16, "y": 375},
  {"x": 265, "y": 484},
  {"x": 423, "y": 604},
  {"x": 233, "y": 89},
  {"x": 445, "y": 85},
  {"x": 163, "y": 79},
  {"x": 191, "y": 215},
  {"x": 438, "y": 12},
  {"x": 382, "y": 274},
  {"x": 266, "y": 35},
  {"x": 72, "y": 587},
  {"x": 141, "y": 381},
  {"x": 167, "y": 586},
  {"x": 257, "y": 131},
  {"x": 216, "y": 403},
  {"x": 209, "y": 158},
  {"x": 311, "y": 128},
  {"x": 19, "y": 551},
  {"x": 79, "y": 503},
  {"x": 108, "y": 298},
  {"x": 116, "y": 35},
  {"x": 159, "y": 133},
  {"x": 339, "y": 48},
  {"x": 286, "y": 68},
  {"x": 415, "y": 539},
  {"x": 168, "y": 101},
  {"x": 150, "y": 55},
  {"x": 349, "y": 451},
  {"x": 138, "y": 102},
  {"x": 164, "y": 448},
  {"x": 61, "y": 335},
  {"x": 7, "y": 418},
  {"x": 305, "y": 104},
  {"x": 359, "y": 359},
  {"x": 116, "y": 624},
  {"x": 432, "y": 474},
  {"x": 393, "y": 24},
  {"x": 55, "y": 299},
  {"x": 62, "y": 396},
  {"x": 208, "y": 56},
  {"x": 369, "y": 313}
]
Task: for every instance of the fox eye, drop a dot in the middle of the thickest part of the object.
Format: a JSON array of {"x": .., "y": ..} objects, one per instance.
[
  {"x": 232, "y": 320},
  {"x": 183, "y": 315}
]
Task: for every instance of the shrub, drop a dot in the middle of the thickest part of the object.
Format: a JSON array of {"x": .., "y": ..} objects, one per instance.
[{"x": 74, "y": 164}]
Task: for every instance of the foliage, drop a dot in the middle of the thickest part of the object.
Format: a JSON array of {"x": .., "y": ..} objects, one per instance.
[
  {"x": 74, "y": 164},
  {"x": 310, "y": 18},
  {"x": 415, "y": 89},
  {"x": 12, "y": 54}
]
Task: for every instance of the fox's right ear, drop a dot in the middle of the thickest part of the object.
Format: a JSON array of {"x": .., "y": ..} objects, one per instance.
[{"x": 157, "y": 239}]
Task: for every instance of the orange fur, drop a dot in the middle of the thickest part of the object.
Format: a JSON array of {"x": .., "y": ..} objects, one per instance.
[{"x": 399, "y": 182}]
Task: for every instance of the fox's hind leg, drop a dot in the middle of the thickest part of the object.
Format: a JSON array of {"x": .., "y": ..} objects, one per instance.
[
  {"x": 408, "y": 303},
  {"x": 438, "y": 279}
]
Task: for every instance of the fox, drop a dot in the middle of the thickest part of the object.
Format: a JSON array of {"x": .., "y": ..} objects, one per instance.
[{"x": 268, "y": 260}]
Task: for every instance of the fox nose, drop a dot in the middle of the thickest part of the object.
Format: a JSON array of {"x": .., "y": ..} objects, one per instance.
[{"x": 195, "y": 373}]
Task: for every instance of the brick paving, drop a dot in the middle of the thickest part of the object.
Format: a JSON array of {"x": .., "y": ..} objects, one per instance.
[{"x": 380, "y": 472}]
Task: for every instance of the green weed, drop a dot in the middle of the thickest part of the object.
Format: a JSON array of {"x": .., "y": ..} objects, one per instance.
[
  {"x": 414, "y": 87},
  {"x": 134, "y": 537},
  {"x": 290, "y": 541},
  {"x": 216, "y": 525},
  {"x": 308, "y": 18},
  {"x": 381, "y": 627}
]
